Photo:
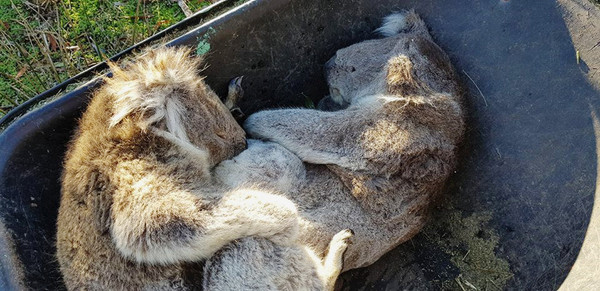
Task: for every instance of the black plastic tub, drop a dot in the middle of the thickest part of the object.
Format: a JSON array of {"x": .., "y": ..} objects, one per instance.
[{"x": 522, "y": 198}]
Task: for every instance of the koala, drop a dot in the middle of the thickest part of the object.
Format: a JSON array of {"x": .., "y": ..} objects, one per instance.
[
  {"x": 157, "y": 174},
  {"x": 376, "y": 162},
  {"x": 140, "y": 197}
]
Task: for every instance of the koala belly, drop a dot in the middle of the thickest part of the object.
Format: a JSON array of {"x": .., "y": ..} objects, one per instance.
[{"x": 327, "y": 206}]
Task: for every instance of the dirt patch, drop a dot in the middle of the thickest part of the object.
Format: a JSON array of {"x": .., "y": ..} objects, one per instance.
[
  {"x": 470, "y": 242},
  {"x": 580, "y": 17}
]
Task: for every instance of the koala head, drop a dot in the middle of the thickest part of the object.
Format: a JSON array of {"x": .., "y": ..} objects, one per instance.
[
  {"x": 359, "y": 69},
  {"x": 163, "y": 91},
  {"x": 209, "y": 124}
]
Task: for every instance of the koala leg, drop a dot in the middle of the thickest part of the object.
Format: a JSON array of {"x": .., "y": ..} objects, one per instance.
[
  {"x": 258, "y": 264},
  {"x": 247, "y": 212},
  {"x": 235, "y": 92},
  {"x": 316, "y": 137}
]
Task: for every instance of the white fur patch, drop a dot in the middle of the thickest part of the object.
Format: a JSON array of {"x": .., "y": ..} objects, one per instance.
[
  {"x": 162, "y": 102},
  {"x": 173, "y": 116},
  {"x": 200, "y": 155},
  {"x": 393, "y": 24}
]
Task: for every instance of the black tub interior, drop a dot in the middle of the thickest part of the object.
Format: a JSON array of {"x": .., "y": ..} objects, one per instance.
[{"x": 529, "y": 164}]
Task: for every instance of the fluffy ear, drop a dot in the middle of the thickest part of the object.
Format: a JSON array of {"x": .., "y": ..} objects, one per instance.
[
  {"x": 402, "y": 22},
  {"x": 151, "y": 89},
  {"x": 316, "y": 137}
]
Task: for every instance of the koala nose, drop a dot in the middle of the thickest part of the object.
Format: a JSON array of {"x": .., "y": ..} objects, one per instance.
[{"x": 329, "y": 65}]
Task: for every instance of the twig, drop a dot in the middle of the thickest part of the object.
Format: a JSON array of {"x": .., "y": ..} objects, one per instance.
[
  {"x": 185, "y": 8},
  {"x": 470, "y": 285},
  {"x": 96, "y": 48},
  {"x": 468, "y": 251},
  {"x": 63, "y": 47},
  {"x": 18, "y": 91},
  {"x": 597, "y": 44},
  {"x": 4, "y": 97},
  {"x": 494, "y": 284},
  {"x": 459, "y": 284},
  {"x": 460, "y": 278},
  {"x": 484, "y": 101},
  {"x": 137, "y": 17},
  {"x": 146, "y": 25}
]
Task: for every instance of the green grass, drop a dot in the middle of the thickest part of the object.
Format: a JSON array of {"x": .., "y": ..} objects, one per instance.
[{"x": 45, "y": 43}]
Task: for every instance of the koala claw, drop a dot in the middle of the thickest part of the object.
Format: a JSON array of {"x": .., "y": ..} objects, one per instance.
[
  {"x": 235, "y": 93},
  {"x": 237, "y": 81}
]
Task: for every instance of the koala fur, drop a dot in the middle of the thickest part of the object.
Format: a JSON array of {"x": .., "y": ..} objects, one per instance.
[
  {"x": 139, "y": 193},
  {"x": 157, "y": 174},
  {"x": 376, "y": 164}
]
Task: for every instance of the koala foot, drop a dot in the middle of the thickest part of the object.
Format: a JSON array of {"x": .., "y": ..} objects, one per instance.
[
  {"x": 339, "y": 243},
  {"x": 334, "y": 261}
]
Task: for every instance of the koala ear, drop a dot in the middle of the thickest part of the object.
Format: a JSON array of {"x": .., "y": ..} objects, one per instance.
[
  {"x": 316, "y": 137},
  {"x": 152, "y": 89}
]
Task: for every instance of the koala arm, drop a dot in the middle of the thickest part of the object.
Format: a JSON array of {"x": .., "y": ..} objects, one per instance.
[
  {"x": 155, "y": 222},
  {"x": 266, "y": 165},
  {"x": 317, "y": 137}
]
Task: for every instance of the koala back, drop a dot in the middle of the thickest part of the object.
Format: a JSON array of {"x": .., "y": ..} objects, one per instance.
[{"x": 152, "y": 129}]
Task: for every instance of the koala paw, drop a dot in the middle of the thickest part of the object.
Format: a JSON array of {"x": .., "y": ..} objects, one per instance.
[
  {"x": 334, "y": 261},
  {"x": 342, "y": 239}
]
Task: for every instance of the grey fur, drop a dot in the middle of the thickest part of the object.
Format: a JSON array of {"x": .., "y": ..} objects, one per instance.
[
  {"x": 373, "y": 166},
  {"x": 152, "y": 179}
]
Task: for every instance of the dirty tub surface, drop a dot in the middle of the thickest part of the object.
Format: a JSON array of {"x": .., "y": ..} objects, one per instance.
[{"x": 517, "y": 211}]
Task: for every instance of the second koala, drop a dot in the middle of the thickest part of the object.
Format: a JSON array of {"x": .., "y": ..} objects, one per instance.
[{"x": 374, "y": 165}]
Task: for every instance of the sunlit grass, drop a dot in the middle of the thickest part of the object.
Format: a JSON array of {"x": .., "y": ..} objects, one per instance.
[{"x": 46, "y": 42}]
